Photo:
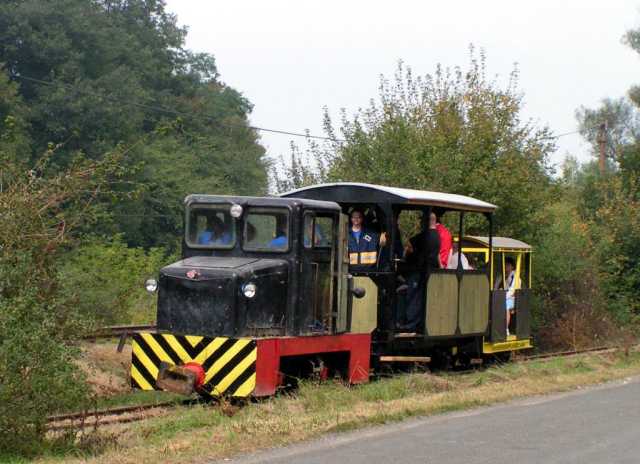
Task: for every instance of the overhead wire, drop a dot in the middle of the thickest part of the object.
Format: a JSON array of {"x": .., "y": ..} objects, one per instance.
[
  {"x": 210, "y": 118},
  {"x": 175, "y": 112}
]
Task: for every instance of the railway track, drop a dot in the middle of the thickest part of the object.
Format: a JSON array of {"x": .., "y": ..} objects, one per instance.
[
  {"x": 560, "y": 354},
  {"x": 116, "y": 415},
  {"x": 117, "y": 331},
  {"x": 119, "y": 415}
]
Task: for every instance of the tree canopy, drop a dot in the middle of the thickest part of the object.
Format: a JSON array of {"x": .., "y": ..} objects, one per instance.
[
  {"x": 104, "y": 74},
  {"x": 455, "y": 130}
]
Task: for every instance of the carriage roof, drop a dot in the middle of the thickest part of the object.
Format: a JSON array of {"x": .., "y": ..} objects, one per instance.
[
  {"x": 353, "y": 192},
  {"x": 500, "y": 243}
]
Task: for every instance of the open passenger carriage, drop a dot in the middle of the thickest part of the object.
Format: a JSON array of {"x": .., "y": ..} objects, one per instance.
[
  {"x": 463, "y": 316},
  {"x": 267, "y": 291}
]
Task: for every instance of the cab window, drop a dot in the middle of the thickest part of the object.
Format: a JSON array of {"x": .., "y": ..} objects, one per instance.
[
  {"x": 210, "y": 226},
  {"x": 266, "y": 229},
  {"x": 318, "y": 231}
]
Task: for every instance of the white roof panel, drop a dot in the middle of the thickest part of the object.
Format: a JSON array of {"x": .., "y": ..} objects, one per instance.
[
  {"x": 414, "y": 196},
  {"x": 502, "y": 242}
]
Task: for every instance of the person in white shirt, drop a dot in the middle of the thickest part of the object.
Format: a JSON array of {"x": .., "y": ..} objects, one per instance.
[
  {"x": 512, "y": 284},
  {"x": 452, "y": 262}
]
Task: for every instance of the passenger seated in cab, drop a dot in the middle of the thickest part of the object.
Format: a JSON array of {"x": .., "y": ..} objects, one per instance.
[
  {"x": 363, "y": 243},
  {"x": 280, "y": 241},
  {"x": 215, "y": 233}
]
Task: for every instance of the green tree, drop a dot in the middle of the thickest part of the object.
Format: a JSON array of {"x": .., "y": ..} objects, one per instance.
[
  {"x": 455, "y": 131},
  {"x": 615, "y": 229},
  {"x": 14, "y": 138},
  {"x": 101, "y": 74},
  {"x": 609, "y": 201}
]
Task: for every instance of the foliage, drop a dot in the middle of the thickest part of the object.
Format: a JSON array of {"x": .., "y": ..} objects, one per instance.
[
  {"x": 454, "y": 130},
  {"x": 297, "y": 173},
  {"x": 13, "y": 119},
  {"x": 622, "y": 123},
  {"x": 37, "y": 375},
  {"x": 117, "y": 73},
  {"x": 104, "y": 281},
  {"x": 609, "y": 202},
  {"x": 40, "y": 208},
  {"x": 568, "y": 306},
  {"x": 616, "y": 232}
]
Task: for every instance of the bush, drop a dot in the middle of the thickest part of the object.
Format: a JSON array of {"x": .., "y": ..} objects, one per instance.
[
  {"x": 105, "y": 281},
  {"x": 38, "y": 212},
  {"x": 565, "y": 281},
  {"x": 616, "y": 233},
  {"x": 38, "y": 374}
]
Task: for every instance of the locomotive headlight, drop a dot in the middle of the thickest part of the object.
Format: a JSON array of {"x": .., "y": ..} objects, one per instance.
[
  {"x": 151, "y": 285},
  {"x": 249, "y": 290},
  {"x": 235, "y": 211}
]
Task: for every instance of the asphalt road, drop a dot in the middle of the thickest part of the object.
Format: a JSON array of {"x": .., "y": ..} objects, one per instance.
[{"x": 595, "y": 425}]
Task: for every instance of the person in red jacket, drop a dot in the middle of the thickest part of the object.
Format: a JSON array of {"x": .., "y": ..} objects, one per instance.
[{"x": 445, "y": 242}]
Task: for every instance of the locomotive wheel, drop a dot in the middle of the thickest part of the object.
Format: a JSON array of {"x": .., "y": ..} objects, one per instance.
[{"x": 441, "y": 360}]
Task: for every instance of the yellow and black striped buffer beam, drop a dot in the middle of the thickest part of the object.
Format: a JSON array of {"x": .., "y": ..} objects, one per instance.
[{"x": 229, "y": 363}]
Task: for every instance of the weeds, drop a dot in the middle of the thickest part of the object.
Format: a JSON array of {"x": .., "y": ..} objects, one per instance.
[{"x": 205, "y": 432}]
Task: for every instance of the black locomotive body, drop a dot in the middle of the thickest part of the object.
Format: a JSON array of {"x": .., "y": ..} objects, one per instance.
[{"x": 262, "y": 291}]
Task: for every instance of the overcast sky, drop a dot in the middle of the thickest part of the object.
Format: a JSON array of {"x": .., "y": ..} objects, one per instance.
[{"x": 291, "y": 58}]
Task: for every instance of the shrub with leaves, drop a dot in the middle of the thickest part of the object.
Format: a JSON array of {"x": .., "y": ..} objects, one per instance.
[
  {"x": 455, "y": 130},
  {"x": 616, "y": 233},
  {"x": 105, "y": 280},
  {"x": 38, "y": 213},
  {"x": 569, "y": 309}
]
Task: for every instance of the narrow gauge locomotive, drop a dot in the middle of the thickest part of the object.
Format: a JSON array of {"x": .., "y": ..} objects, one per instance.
[{"x": 265, "y": 291}]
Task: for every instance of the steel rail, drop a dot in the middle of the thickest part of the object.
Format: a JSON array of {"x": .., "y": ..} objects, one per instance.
[
  {"x": 560, "y": 354},
  {"x": 109, "y": 411},
  {"x": 109, "y": 416},
  {"x": 118, "y": 331}
]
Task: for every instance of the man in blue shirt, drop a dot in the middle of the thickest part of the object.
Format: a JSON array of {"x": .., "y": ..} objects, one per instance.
[
  {"x": 363, "y": 243},
  {"x": 215, "y": 233},
  {"x": 280, "y": 241}
]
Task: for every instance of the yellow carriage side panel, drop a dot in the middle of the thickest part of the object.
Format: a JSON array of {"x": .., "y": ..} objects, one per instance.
[
  {"x": 364, "y": 312},
  {"x": 474, "y": 303},
  {"x": 442, "y": 304}
]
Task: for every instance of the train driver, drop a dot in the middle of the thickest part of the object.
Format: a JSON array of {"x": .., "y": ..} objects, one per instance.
[
  {"x": 363, "y": 243},
  {"x": 215, "y": 233}
]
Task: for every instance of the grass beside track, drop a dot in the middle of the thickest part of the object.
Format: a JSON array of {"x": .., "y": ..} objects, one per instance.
[{"x": 193, "y": 434}]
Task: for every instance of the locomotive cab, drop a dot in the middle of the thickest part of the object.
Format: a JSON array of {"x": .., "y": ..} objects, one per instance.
[{"x": 255, "y": 267}]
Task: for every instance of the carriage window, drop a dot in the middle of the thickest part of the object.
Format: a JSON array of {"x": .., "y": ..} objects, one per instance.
[
  {"x": 477, "y": 258},
  {"x": 266, "y": 229},
  {"x": 210, "y": 226},
  {"x": 410, "y": 223}
]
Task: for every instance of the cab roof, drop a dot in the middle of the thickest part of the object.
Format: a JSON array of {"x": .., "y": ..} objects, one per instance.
[
  {"x": 260, "y": 201},
  {"x": 354, "y": 192}
]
